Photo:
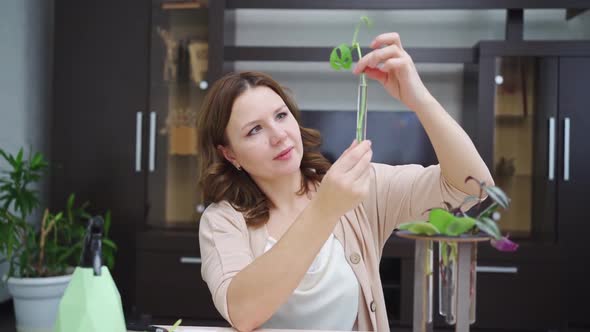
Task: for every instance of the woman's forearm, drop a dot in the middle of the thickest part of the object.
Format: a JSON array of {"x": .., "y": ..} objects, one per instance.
[
  {"x": 454, "y": 149},
  {"x": 257, "y": 291}
]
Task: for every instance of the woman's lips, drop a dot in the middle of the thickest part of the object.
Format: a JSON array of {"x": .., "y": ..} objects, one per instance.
[{"x": 285, "y": 154}]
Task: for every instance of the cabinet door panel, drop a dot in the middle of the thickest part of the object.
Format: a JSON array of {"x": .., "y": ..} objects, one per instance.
[
  {"x": 170, "y": 285},
  {"x": 100, "y": 84},
  {"x": 574, "y": 183},
  {"x": 527, "y": 299}
]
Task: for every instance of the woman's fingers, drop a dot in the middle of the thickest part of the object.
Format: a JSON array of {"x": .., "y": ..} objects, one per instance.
[
  {"x": 374, "y": 58},
  {"x": 350, "y": 147},
  {"x": 352, "y": 156},
  {"x": 362, "y": 166},
  {"x": 391, "y": 64},
  {"x": 390, "y": 38}
]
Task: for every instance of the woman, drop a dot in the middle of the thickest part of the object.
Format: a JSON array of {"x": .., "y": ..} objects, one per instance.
[{"x": 291, "y": 241}]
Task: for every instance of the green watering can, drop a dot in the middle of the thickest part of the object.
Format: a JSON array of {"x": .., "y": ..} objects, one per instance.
[{"x": 91, "y": 302}]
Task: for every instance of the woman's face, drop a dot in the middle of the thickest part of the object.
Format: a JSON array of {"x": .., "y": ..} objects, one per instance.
[{"x": 264, "y": 137}]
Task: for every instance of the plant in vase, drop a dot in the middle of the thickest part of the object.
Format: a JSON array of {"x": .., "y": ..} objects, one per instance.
[
  {"x": 452, "y": 223},
  {"x": 39, "y": 253},
  {"x": 341, "y": 58}
]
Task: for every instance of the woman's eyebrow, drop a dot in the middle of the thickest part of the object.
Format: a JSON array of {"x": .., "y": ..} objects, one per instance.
[{"x": 274, "y": 112}]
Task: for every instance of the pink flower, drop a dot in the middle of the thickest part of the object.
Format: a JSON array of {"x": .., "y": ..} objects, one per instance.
[{"x": 504, "y": 244}]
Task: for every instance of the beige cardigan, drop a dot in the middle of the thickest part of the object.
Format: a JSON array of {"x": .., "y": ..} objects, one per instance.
[{"x": 398, "y": 194}]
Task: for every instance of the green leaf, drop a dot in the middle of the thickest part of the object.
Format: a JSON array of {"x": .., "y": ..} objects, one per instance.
[
  {"x": 109, "y": 243},
  {"x": 70, "y": 205},
  {"x": 63, "y": 257},
  {"x": 498, "y": 196},
  {"x": 4, "y": 155},
  {"x": 420, "y": 227},
  {"x": 19, "y": 156},
  {"x": 107, "y": 222},
  {"x": 36, "y": 160},
  {"x": 341, "y": 57},
  {"x": 460, "y": 225},
  {"x": 490, "y": 226},
  {"x": 440, "y": 218}
]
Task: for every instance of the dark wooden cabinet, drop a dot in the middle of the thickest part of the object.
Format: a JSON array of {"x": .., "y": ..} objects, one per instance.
[
  {"x": 169, "y": 279},
  {"x": 116, "y": 80},
  {"x": 531, "y": 126},
  {"x": 100, "y": 82},
  {"x": 573, "y": 184},
  {"x": 519, "y": 296}
]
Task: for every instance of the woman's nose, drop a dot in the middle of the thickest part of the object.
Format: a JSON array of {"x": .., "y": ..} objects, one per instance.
[{"x": 278, "y": 134}]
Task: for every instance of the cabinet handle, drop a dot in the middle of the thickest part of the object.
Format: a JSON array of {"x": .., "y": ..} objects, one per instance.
[
  {"x": 152, "y": 156},
  {"x": 203, "y": 85},
  {"x": 138, "y": 131},
  {"x": 551, "y": 148},
  {"x": 190, "y": 260},
  {"x": 566, "y": 149},
  {"x": 497, "y": 269}
]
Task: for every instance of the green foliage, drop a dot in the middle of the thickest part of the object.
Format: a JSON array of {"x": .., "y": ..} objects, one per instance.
[
  {"x": 424, "y": 228},
  {"x": 453, "y": 222},
  {"x": 341, "y": 58},
  {"x": 50, "y": 248}
]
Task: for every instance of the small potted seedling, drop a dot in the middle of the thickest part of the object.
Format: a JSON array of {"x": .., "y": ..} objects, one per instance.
[{"x": 341, "y": 59}]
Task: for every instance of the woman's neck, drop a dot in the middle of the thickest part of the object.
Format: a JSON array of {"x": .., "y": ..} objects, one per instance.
[{"x": 282, "y": 192}]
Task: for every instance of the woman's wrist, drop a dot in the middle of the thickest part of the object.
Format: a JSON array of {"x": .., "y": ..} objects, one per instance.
[
  {"x": 426, "y": 103},
  {"x": 323, "y": 209}
]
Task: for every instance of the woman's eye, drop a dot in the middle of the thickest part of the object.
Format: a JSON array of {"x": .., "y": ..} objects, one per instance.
[
  {"x": 282, "y": 115},
  {"x": 254, "y": 130}
]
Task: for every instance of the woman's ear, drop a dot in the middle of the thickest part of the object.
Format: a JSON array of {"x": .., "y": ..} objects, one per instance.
[{"x": 228, "y": 154}]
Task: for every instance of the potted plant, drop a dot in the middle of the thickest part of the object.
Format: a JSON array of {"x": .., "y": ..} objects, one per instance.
[
  {"x": 451, "y": 228},
  {"x": 40, "y": 255}
]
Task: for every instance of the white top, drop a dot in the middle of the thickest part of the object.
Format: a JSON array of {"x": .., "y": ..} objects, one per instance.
[{"x": 327, "y": 297}]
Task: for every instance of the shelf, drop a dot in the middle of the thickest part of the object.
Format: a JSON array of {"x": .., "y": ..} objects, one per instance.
[
  {"x": 183, "y": 5},
  {"x": 405, "y": 4},
  {"x": 320, "y": 54}
]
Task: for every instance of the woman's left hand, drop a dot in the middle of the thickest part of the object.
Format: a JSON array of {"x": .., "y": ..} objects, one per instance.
[{"x": 390, "y": 65}]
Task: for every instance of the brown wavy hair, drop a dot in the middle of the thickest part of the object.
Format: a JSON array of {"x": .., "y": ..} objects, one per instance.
[{"x": 219, "y": 179}]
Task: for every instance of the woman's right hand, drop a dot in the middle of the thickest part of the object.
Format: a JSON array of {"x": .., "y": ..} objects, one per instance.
[{"x": 346, "y": 183}]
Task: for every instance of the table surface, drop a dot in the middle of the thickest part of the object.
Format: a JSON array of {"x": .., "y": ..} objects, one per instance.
[{"x": 227, "y": 329}]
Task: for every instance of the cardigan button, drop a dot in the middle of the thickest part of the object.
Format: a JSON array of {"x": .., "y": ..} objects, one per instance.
[
  {"x": 355, "y": 258},
  {"x": 373, "y": 306}
]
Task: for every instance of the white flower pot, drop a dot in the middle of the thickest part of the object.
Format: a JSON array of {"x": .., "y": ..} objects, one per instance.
[
  {"x": 4, "y": 295},
  {"x": 36, "y": 301}
]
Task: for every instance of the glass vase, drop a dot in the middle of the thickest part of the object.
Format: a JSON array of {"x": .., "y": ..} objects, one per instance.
[{"x": 448, "y": 278}]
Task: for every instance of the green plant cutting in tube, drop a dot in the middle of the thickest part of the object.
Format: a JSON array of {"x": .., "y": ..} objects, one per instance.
[
  {"x": 452, "y": 221},
  {"x": 341, "y": 59}
]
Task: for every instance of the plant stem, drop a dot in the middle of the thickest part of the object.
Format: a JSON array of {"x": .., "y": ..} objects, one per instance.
[
  {"x": 44, "y": 231},
  {"x": 356, "y": 32},
  {"x": 42, "y": 240},
  {"x": 362, "y": 98},
  {"x": 492, "y": 206}
]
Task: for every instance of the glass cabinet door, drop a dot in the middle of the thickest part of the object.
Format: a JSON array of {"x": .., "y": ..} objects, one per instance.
[
  {"x": 525, "y": 106},
  {"x": 178, "y": 83}
]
